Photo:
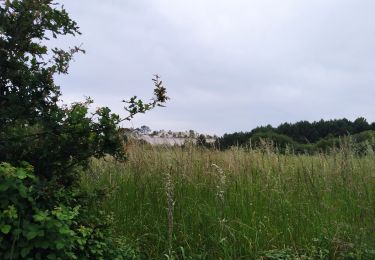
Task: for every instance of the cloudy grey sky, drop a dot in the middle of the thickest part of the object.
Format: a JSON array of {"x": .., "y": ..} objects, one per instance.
[{"x": 227, "y": 65}]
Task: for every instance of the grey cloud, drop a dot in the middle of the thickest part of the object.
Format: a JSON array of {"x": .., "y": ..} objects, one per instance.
[{"x": 228, "y": 65}]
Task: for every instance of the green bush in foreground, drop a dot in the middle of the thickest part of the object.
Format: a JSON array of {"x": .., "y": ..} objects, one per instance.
[
  {"x": 43, "y": 213},
  {"x": 29, "y": 230}
]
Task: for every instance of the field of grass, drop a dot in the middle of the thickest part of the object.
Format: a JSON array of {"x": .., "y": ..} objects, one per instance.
[{"x": 192, "y": 203}]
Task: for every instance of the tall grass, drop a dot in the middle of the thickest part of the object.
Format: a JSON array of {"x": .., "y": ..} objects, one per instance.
[{"x": 192, "y": 203}]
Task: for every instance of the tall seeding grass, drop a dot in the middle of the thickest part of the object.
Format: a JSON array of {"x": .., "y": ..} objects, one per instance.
[{"x": 194, "y": 203}]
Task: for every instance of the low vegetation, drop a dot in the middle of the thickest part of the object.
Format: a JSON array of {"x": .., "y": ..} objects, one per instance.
[{"x": 195, "y": 203}]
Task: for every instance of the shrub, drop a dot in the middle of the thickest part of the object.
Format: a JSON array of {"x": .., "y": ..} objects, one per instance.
[
  {"x": 42, "y": 214},
  {"x": 29, "y": 229}
]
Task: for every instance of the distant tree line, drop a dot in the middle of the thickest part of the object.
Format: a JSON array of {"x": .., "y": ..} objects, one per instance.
[
  {"x": 146, "y": 130},
  {"x": 303, "y": 136}
]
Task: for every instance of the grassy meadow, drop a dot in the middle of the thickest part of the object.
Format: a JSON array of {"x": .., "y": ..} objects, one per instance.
[{"x": 196, "y": 203}]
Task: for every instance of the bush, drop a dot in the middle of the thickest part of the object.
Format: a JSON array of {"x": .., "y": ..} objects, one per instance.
[
  {"x": 29, "y": 229},
  {"x": 42, "y": 214},
  {"x": 201, "y": 140}
]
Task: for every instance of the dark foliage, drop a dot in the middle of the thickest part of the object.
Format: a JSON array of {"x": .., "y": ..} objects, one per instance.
[
  {"x": 201, "y": 140},
  {"x": 303, "y": 136},
  {"x": 56, "y": 140}
]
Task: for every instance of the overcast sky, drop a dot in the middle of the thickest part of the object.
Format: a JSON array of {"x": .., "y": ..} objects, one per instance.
[{"x": 228, "y": 65}]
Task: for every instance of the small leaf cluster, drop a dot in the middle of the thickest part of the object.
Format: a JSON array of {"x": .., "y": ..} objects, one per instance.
[{"x": 135, "y": 106}]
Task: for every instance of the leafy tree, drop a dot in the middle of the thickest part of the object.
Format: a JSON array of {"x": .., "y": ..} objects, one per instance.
[
  {"x": 33, "y": 127},
  {"x": 235, "y": 139},
  {"x": 360, "y": 125},
  {"x": 191, "y": 134},
  {"x": 201, "y": 140},
  {"x": 57, "y": 140},
  {"x": 145, "y": 129}
]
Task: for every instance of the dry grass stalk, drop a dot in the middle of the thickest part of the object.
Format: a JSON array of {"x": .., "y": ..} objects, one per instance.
[{"x": 169, "y": 190}]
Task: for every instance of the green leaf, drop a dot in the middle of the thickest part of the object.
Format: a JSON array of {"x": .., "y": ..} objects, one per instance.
[
  {"x": 25, "y": 251},
  {"x": 31, "y": 234},
  {"x": 21, "y": 174},
  {"x": 23, "y": 191},
  {"x": 40, "y": 216},
  {"x": 5, "y": 229},
  {"x": 44, "y": 244},
  {"x": 60, "y": 245}
]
